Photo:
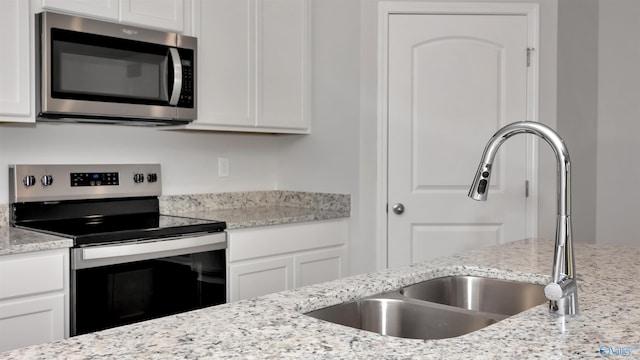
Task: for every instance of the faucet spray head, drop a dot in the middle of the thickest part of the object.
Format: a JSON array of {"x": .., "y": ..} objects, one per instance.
[{"x": 480, "y": 186}]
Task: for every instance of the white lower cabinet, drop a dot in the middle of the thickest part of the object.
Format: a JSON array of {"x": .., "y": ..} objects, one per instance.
[
  {"x": 269, "y": 259},
  {"x": 33, "y": 298},
  {"x": 31, "y": 321},
  {"x": 320, "y": 266},
  {"x": 260, "y": 277}
]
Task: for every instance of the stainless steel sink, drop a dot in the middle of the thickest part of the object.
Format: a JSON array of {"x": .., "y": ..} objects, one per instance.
[
  {"x": 438, "y": 308},
  {"x": 479, "y": 294},
  {"x": 403, "y": 318}
]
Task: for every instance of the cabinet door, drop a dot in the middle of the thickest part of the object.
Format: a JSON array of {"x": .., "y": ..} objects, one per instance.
[
  {"x": 283, "y": 59},
  {"x": 253, "y": 72},
  {"x": 226, "y": 62},
  {"x": 15, "y": 63},
  {"x": 260, "y": 277},
  {"x": 320, "y": 266},
  {"x": 161, "y": 14},
  {"x": 31, "y": 320},
  {"x": 103, "y": 9}
]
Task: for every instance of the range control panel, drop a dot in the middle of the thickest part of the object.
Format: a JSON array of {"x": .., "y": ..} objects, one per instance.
[
  {"x": 95, "y": 179},
  {"x": 28, "y": 183}
]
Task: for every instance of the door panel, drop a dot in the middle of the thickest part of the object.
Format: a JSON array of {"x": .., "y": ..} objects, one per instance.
[
  {"x": 453, "y": 81},
  {"x": 469, "y": 107}
]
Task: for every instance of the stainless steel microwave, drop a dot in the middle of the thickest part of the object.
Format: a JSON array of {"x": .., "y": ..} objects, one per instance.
[{"x": 95, "y": 71}]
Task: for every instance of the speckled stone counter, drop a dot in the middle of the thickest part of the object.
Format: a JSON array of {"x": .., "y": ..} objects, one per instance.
[
  {"x": 15, "y": 241},
  {"x": 258, "y": 208},
  {"x": 237, "y": 209},
  {"x": 273, "y": 326}
]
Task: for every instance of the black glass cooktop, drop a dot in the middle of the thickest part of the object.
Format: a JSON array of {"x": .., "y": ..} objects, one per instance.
[{"x": 106, "y": 229}]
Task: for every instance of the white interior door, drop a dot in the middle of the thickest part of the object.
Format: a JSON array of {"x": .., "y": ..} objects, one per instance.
[{"x": 453, "y": 80}]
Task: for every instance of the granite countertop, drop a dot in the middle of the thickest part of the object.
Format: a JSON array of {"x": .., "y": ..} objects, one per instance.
[
  {"x": 14, "y": 241},
  {"x": 238, "y": 210},
  {"x": 273, "y": 326},
  {"x": 259, "y": 208},
  {"x": 263, "y": 216}
]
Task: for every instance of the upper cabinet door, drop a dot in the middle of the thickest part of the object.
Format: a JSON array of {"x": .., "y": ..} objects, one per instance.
[
  {"x": 283, "y": 58},
  {"x": 15, "y": 64},
  {"x": 103, "y": 9},
  {"x": 161, "y": 14},
  {"x": 253, "y": 65},
  {"x": 158, "y": 14},
  {"x": 226, "y": 61}
]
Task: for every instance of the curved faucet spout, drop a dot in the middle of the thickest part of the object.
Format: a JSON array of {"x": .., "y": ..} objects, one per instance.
[{"x": 562, "y": 292}]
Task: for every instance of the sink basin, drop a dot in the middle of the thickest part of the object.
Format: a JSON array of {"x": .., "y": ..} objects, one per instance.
[
  {"x": 437, "y": 308},
  {"x": 403, "y": 318},
  {"x": 479, "y": 294}
]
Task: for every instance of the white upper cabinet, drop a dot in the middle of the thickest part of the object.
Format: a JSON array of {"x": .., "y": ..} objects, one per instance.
[
  {"x": 101, "y": 9},
  {"x": 15, "y": 63},
  {"x": 226, "y": 62},
  {"x": 162, "y": 14},
  {"x": 158, "y": 14},
  {"x": 253, "y": 65},
  {"x": 283, "y": 64}
]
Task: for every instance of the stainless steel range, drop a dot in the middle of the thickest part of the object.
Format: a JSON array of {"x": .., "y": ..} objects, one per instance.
[{"x": 129, "y": 262}]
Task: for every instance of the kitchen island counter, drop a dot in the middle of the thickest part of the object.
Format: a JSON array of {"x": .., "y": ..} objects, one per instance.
[{"x": 273, "y": 326}]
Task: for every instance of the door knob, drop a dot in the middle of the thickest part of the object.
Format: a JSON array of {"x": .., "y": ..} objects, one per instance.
[{"x": 398, "y": 208}]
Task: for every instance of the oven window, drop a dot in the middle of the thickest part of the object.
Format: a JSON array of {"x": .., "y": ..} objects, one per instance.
[
  {"x": 100, "y": 68},
  {"x": 115, "y": 295}
]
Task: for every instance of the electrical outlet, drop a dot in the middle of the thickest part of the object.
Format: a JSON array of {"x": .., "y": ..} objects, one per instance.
[{"x": 223, "y": 167}]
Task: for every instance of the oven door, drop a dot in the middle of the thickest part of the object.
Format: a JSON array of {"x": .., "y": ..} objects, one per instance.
[{"x": 114, "y": 285}]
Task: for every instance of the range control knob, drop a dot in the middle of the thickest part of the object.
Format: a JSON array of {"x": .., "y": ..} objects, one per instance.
[
  {"x": 46, "y": 180},
  {"x": 152, "y": 177},
  {"x": 138, "y": 178},
  {"x": 29, "y": 180}
]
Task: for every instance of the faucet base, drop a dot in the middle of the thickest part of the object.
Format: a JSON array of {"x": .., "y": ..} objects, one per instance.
[{"x": 565, "y": 306}]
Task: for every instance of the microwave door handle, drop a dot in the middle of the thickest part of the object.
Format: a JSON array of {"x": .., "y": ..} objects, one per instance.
[
  {"x": 177, "y": 76},
  {"x": 165, "y": 79}
]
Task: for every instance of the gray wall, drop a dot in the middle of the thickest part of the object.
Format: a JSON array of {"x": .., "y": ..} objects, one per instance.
[
  {"x": 327, "y": 160},
  {"x": 618, "y": 173},
  {"x": 189, "y": 159},
  {"x": 578, "y": 106}
]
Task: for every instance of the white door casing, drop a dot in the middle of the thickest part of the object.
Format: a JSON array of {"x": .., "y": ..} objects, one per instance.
[{"x": 450, "y": 82}]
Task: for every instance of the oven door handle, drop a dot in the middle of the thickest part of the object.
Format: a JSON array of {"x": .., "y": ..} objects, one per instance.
[{"x": 122, "y": 253}]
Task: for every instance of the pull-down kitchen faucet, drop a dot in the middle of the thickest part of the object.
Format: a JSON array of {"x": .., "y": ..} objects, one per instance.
[{"x": 562, "y": 292}]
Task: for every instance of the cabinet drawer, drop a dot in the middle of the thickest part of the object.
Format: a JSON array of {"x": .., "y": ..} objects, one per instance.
[
  {"x": 282, "y": 239},
  {"x": 32, "y": 273}
]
